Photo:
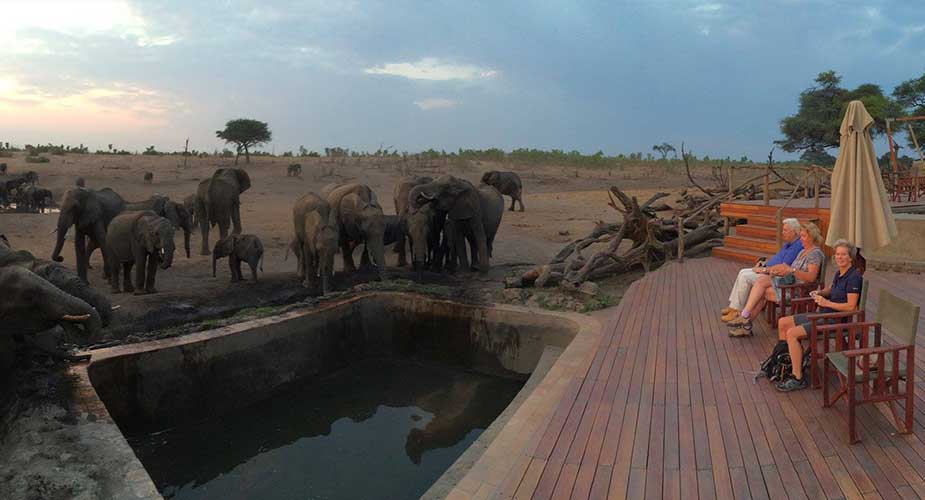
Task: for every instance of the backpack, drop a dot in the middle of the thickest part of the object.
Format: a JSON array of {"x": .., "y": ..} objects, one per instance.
[{"x": 778, "y": 366}]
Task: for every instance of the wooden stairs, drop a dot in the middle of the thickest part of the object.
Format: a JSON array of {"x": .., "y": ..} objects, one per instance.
[{"x": 758, "y": 237}]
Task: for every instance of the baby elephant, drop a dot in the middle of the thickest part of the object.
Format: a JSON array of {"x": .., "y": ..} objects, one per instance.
[
  {"x": 142, "y": 240},
  {"x": 239, "y": 247},
  {"x": 149, "y": 176}
]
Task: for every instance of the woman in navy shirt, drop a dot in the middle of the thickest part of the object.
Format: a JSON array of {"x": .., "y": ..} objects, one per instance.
[{"x": 842, "y": 296}]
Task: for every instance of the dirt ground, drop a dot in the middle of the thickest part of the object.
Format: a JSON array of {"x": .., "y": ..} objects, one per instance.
[{"x": 561, "y": 204}]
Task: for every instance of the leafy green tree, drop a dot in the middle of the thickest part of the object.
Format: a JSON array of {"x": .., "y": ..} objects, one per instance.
[
  {"x": 244, "y": 134},
  {"x": 820, "y": 158},
  {"x": 910, "y": 95},
  {"x": 815, "y": 127}
]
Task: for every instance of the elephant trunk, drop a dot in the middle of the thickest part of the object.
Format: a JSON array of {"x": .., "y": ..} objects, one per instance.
[
  {"x": 76, "y": 311},
  {"x": 64, "y": 223},
  {"x": 167, "y": 258},
  {"x": 214, "y": 260},
  {"x": 186, "y": 236},
  {"x": 68, "y": 281}
]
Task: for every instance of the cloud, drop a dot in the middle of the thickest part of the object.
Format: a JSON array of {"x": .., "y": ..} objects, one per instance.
[
  {"x": 435, "y": 103},
  {"x": 708, "y": 8},
  {"x": 431, "y": 68}
]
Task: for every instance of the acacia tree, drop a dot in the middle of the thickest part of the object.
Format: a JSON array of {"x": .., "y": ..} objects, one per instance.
[
  {"x": 663, "y": 149},
  {"x": 245, "y": 133},
  {"x": 815, "y": 127}
]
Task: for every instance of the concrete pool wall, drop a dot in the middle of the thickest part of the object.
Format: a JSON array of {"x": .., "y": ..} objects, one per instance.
[{"x": 160, "y": 383}]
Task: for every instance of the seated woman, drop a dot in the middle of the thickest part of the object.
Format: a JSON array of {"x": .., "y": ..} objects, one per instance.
[
  {"x": 842, "y": 296},
  {"x": 805, "y": 269}
]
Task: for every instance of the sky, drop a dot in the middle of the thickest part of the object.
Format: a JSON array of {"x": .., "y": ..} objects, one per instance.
[{"x": 611, "y": 75}]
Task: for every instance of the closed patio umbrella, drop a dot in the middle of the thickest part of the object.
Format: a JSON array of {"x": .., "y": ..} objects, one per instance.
[{"x": 860, "y": 209}]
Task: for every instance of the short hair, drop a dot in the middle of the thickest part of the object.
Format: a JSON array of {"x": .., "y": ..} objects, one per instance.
[
  {"x": 813, "y": 231},
  {"x": 852, "y": 250},
  {"x": 793, "y": 224}
]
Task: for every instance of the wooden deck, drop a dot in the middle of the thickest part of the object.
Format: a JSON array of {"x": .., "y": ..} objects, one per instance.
[{"x": 666, "y": 407}]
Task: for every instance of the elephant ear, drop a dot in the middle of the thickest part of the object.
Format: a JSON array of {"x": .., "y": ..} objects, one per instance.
[
  {"x": 466, "y": 200},
  {"x": 149, "y": 236},
  {"x": 486, "y": 177},
  {"x": 171, "y": 211},
  {"x": 91, "y": 210},
  {"x": 244, "y": 180},
  {"x": 159, "y": 205}
]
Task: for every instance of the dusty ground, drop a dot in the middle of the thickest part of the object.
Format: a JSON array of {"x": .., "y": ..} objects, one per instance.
[{"x": 560, "y": 206}]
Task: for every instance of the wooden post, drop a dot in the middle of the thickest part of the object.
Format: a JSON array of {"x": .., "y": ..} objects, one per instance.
[
  {"x": 767, "y": 192},
  {"x": 729, "y": 177},
  {"x": 186, "y": 152},
  {"x": 815, "y": 187},
  {"x": 680, "y": 239}
]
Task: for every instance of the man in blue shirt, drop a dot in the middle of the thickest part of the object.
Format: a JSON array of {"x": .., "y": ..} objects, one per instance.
[{"x": 778, "y": 262}]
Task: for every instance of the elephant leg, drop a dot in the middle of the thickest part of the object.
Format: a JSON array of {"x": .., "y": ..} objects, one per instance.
[
  {"x": 204, "y": 229},
  {"x": 364, "y": 259},
  {"x": 513, "y": 199},
  {"x": 141, "y": 262},
  {"x": 237, "y": 269},
  {"x": 97, "y": 237},
  {"x": 231, "y": 269},
  {"x": 478, "y": 232},
  {"x": 308, "y": 275},
  {"x": 520, "y": 199},
  {"x": 80, "y": 254},
  {"x": 114, "y": 277},
  {"x": 347, "y": 254},
  {"x": 236, "y": 218},
  {"x": 222, "y": 230},
  {"x": 151, "y": 275},
  {"x": 127, "y": 267},
  {"x": 253, "y": 265}
]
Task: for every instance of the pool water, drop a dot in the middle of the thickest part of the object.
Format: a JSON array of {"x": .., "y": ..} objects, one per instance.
[{"x": 381, "y": 429}]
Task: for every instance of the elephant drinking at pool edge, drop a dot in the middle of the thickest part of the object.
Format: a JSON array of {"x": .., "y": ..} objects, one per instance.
[
  {"x": 462, "y": 204},
  {"x": 89, "y": 212},
  {"x": 359, "y": 220},
  {"x": 492, "y": 205},
  {"x": 143, "y": 240},
  {"x": 218, "y": 203},
  {"x": 316, "y": 240}
]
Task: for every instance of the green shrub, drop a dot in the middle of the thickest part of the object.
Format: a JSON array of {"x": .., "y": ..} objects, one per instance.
[{"x": 37, "y": 159}]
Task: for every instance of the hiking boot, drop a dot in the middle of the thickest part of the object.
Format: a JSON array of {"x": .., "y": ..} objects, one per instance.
[
  {"x": 792, "y": 384},
  {"x": 744, "y": 330},
  {"x": 737, "y": 321},
  {"x": 731, "y": 315},
  {"x": 726, "y": 310}
]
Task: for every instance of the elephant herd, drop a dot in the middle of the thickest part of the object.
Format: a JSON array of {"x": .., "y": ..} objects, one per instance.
[
  {"x": 21, "y": 190},
  {"x": 448, "y": 222}
]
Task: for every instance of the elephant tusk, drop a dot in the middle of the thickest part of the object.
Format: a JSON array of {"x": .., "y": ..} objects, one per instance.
[
  {"x": 114, "y": 308},
  {"x": 69, "y": 317},
  {"x": 53, "y": 231}
]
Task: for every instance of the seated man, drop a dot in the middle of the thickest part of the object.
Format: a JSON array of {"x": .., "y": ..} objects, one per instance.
[{"x": 778, "y": 263}]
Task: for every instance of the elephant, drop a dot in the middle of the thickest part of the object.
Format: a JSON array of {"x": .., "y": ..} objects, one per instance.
[
  {"x": 140, "y": 239},
  {"x": 423, "y": 228},
  {"x": 63, "y": 278},
  {"x": 507, "y": 183},
  {"x": 218, "y": 203},
  {"x": 359, "y": 220},
  {"x": 239, "y": 247},
  {"x": 90, "y": 212},
  {"x": 316, "y": 240},
  {"x": 3, "y": 168},
  {"x": 462, "y": 203},
  {"x": 189, "y": 203},
  {"x": 294, "y": 170},
  {"x": 295, "y": 247},
  {"x": 149, "y": 177},
  {"x": 35, "y": 198},
  {"x": 178, "y": 214},
  {"x": 492, "y": 205},
  {"x": 31, "y": 305},
  {"x": 400, "y": 198}
]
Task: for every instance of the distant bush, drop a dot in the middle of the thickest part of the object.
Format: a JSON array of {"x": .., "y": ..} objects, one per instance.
[
  {"x": 150, "y": 151},
  {"x": 227, "y": 153},
  {"x": 287, "y": 154},
  {"x": 37, "y": 159}
]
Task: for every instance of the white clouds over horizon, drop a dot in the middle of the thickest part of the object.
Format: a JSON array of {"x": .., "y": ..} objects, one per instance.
[{"x": 432, "y": 68}]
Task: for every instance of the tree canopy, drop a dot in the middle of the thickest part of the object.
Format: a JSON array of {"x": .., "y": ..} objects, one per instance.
[
  {"x": 910, "y": 95},
  {"x": 663, "y": 149},
  {"x": 815, "y": 127},
  {"x": 245, "y": 133}
]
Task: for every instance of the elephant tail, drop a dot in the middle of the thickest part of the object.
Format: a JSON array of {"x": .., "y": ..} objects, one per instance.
[{"x": 262, "y": 256}]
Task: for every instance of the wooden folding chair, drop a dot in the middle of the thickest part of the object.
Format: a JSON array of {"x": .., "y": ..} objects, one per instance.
[
  {"x": 864, "y": 365},
  {"x": 806, "y": 305},
  {"x": 790, "y": 292}
]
